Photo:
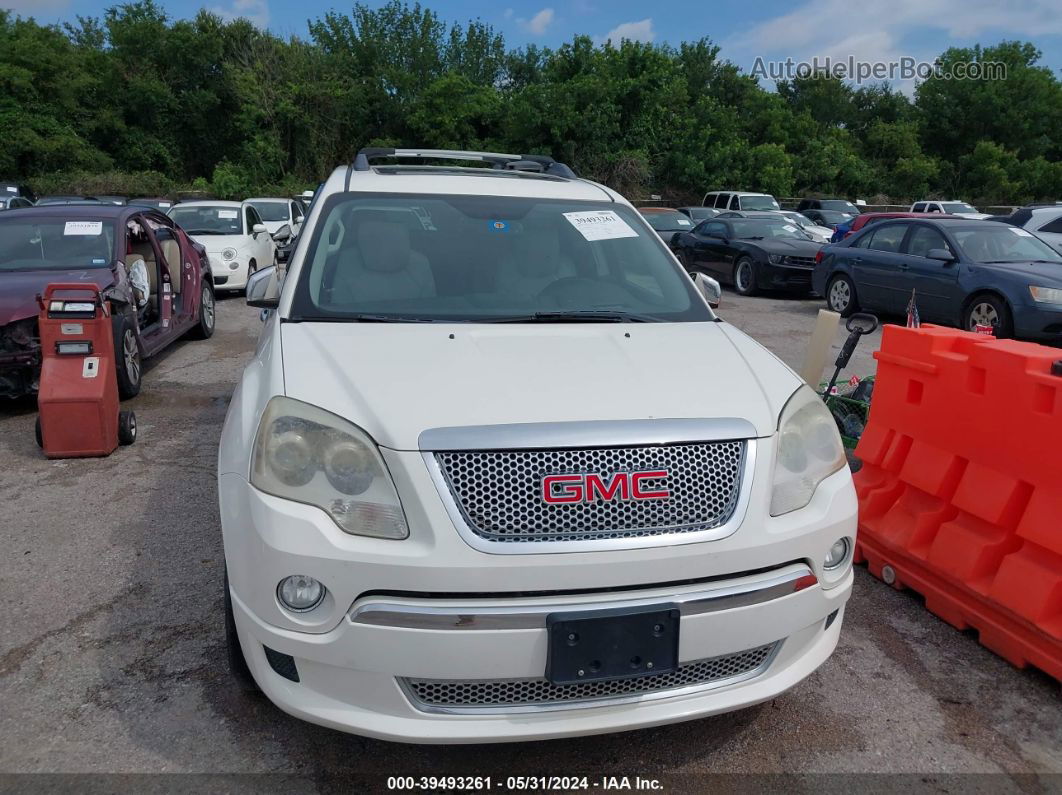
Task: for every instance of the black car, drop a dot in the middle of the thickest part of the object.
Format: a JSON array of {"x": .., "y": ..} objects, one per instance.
[
  {"x": 698, "y": 214},
  {"x": 964, "y": 273},
  {"x": 838, "y": 205},
  {"x": 158, "y": 204},
  {"x": 17, "y": 189},
  {"x": 666, "y": 222},
  {"x": 753, "y": 254},
  {"x": 830, "y": 218},
  {"x": 10, "y": 201}
]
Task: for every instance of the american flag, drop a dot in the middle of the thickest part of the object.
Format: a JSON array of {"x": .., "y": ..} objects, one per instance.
[{"x": 912, "y": 313}]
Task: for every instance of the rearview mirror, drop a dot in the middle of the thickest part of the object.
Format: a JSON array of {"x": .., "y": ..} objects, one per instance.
[
  {"x": 940, "y": 253},
  {"x": 263, "y": 288},
  {"x": 709, "y": 288}
]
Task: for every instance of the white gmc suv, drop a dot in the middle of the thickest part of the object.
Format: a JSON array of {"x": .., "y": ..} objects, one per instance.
[{"x": 498, "y": 472}]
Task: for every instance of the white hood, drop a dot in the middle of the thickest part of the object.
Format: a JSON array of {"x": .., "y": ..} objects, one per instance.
[
  {"x": 215, "y": 244},
  {"x": 397, "y": 380}
]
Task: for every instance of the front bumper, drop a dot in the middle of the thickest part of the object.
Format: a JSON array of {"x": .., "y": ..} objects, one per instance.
[
  {"x": 784, "y": 277},
  {"x": 356, "y": 677},
  {"x": 355, "y": 660},
  {"x": 1040, "y": 322},
  {"x": 227, "y": 277}
]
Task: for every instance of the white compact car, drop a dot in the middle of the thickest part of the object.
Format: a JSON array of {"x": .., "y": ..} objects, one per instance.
[
  {"x": 498, "y": 472},
  {"x": 278, "y": 213},
  {"x": 237, "y": 241}
]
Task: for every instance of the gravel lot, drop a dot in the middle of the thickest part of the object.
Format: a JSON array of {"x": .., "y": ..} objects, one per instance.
[{"x": 112, "y": 656}]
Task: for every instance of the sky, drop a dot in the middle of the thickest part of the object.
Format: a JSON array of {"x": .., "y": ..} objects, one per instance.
[{"x": 879, "y": 30}]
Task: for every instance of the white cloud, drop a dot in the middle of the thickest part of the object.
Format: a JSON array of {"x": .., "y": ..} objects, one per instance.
[
  {"x": 255, "y": 11},
  {"x": 809, "y": 30},
  {"x": 508, "y": 13},
  {"x": 635, "y": 31},
  {"x": 538, "y": 24}
]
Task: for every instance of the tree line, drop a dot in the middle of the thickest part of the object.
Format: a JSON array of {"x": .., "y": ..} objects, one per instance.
[{"x": 136, "y": 102}]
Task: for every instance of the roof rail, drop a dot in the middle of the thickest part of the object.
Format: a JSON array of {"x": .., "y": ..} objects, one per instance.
[{"x": 498, "y": 160}]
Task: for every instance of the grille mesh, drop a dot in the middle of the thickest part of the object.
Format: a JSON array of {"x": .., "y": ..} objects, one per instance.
[
  {"x": 499, "y": 493},
  {"x": 456, "y": 693}
]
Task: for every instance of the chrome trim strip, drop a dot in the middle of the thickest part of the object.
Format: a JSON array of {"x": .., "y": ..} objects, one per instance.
[
  {"x": 547, "y": 547},
  {"x": 516, "y": 709},
  {"x": 591, "y": 433},
  {"x": 726, "y": 595}
]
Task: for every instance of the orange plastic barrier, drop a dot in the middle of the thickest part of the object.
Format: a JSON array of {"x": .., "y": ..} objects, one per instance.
[{"x": 960, "y": 493}]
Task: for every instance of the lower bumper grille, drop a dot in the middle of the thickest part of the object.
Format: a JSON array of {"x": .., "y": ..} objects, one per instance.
[{"x": 509, "y": 695}]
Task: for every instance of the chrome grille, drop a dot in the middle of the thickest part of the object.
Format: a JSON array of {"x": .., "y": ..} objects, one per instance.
[
  {"x": 499, "y": 493},
  {"x": 470, "y": 695}
]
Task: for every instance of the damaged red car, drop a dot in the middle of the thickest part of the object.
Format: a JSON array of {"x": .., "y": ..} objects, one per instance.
[{"x": 158, "y": 282}]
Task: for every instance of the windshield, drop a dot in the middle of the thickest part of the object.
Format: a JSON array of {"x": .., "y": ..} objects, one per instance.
[
  {"x": 754, "y": 229},
  {"x": 483, "y": 259},
  {"x": 834, "y": 217},
  {"x": 272, "y": 211},
  {"x": 55, "y": 244},
  {"x": 668, "y": 222},
  {"x": 841, "y": 206},
  {"x": 701, "y": 213},
  {"x": 208, "y": 219},
  {"x": 958, "y": 207},
  {"x": 1003, "y": 244},
  {"x": 758, "y": 203},
  {"x": 800, "y": 220}
]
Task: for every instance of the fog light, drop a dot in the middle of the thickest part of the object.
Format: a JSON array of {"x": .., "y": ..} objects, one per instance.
[
  {"x": 234, "y": 266},
  {"x": 300, "y": 593},
  {"x": 837, "y": 555}
]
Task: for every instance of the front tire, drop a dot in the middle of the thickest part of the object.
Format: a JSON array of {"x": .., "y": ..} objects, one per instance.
[
  {"x": 841, "y": 296},
  {"x": 204, "y": 329},
  {"x": 127, "y": 363},
  {"x": 745, "y": 277},
  {"x": 126, "y": 428},
  {"x": 988, "y": 310}
]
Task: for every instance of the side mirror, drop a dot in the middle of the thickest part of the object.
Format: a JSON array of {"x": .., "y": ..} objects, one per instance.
[
  {"x": 258, "y": 228},
  {"x": 709, "y": 288},
  {"x": 263, "y": 288},
  {"x": 940, "y": 253},
  {"x": 299, "y": 219},
  {"x": 283, "y": 233}
]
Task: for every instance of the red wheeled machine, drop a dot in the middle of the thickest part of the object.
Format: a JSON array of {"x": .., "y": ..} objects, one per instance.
[{"x": 78, "y": 394}]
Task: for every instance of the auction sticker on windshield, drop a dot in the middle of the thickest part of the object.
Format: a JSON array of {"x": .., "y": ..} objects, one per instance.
[
  {"x": 83, "y": 228},
  {"x": 228, "y": 214},
  {"x": 600, "y": 225}
]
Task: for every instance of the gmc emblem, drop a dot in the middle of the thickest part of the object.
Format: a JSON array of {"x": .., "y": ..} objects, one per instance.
[{"x": 559, "y": 489}]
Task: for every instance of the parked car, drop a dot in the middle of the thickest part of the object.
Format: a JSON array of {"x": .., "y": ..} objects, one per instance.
[
  {"x": 666, "y": 221},
  {"x": 831, "y": 219},
  {"x": 99, "y": 245},
  {"x": 45, "y": 200},
  {"x": 427, "y": 542},
  {"x": 277, "y": 213},
  {"x": 158, "y": 204},
  {"x": 234, "y": 236},
  {"x": 820, "y": 234},
  {"x": 833, "y": 205},
  {"x": 739, "y": 200},
  {"x": 18, "y": 189},
  {"x": 964, "y": 273},
  {"x": 698, "y": 214},
  {"x": 1043, "y": 220},
  {"x": 118, "y": 200},
  {"x": 865, "y": 219},
  {"x": 13, "y": 202},
  {"x": 753, "y": 254},
  {"x": 949, "y": 207}
]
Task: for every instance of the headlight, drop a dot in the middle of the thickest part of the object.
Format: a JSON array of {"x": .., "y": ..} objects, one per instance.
[
  {"x": 1046, "y": 295},
  {"x": 308, "y": 455},
  {"x": 229, "y": 253},
  {"x": 775, "y": 259},
  {"x": 809, "y": 451}
]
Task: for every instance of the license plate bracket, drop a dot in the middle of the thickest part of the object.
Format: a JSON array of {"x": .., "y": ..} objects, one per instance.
[{"x": 612, "y": 644}]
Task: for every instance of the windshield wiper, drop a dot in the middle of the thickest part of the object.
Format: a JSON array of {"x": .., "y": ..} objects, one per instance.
[
  {"x": 362, "y": 318},
  {"x": 203, "y": 232},
  {"x": 578, "y": 316}
]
